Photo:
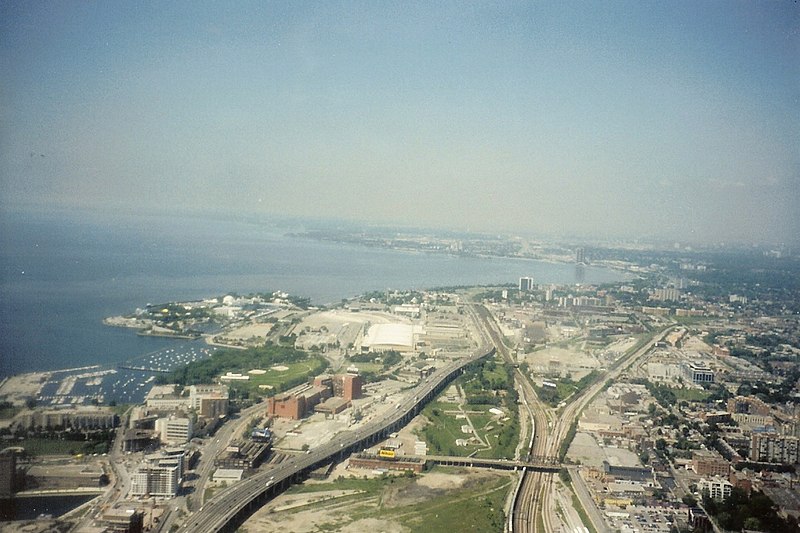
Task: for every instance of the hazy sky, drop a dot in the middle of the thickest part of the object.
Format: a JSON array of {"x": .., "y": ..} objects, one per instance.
[{"x": 669, "y": 119}]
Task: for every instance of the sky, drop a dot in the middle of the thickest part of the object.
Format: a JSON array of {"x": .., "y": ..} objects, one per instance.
[{"x": 633, "y": 119}]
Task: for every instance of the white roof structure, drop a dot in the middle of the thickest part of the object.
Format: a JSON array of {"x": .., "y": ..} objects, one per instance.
[{"x": 381, "y": 337}]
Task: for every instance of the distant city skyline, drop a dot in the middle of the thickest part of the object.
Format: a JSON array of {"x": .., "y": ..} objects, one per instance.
[{"x": 609, "y": 120}]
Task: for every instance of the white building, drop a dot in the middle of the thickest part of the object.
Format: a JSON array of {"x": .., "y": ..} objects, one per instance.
[
  {"x": 156, "y": 481},
  {"x": 385, "y": 337},
  {"x": 717, "y": 488},
  {"x": 174, "y": 430}
]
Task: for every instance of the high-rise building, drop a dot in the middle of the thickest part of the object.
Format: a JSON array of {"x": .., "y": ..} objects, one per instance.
[
  {"x": 771, "y": 448},
  {"x": 160, "y": 478},
  {"x": 352, "y": 386},
  {"x": 8, "y": 471},
  {"x": 580, "y": 255},
  {"x": 526, "y": 284}
]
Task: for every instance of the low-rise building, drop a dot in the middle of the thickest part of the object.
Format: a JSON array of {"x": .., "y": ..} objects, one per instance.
[
  {"x": 716, "y": 487},
  {"x": 84, "y": 418},
  {"x": 709, "y": 463}
]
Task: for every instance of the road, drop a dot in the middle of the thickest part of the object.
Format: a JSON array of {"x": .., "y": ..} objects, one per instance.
[
  {"x": 573, "y": 410},
  {"x": 221, "y": 439},
  {"x": 535, "y": 496},
  {"x": 241, "y": 499}
]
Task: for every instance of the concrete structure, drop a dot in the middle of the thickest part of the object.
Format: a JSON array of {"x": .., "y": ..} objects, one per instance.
[
  {"x": 332, "y": 406},
  {"x": 210, "y": 401},
  {"x": 136, "y": 440},
  {"x": 163, "y": 398},
  {"x": 666, "y": 295},
  {"x": 771, "y": 448},
  {"x": 175, "y": 429},
  {"x": 128, "y": 520},
  {"x": 717, "y": 488},
  {"x": 244, "y": 455},
  {"x": 228, "y": 475}
]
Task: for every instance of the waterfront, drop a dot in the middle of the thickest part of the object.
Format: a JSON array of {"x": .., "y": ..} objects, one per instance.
[
  {"x": 30, "y": 507},
  {"x": 63, "y": 273}
]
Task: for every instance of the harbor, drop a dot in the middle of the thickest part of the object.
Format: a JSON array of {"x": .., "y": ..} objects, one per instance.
[{"x": 126, "y": 382}]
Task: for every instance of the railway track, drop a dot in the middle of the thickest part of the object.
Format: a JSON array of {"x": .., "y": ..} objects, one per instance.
[
  {"x": 531, "y": 493},
  {"x": 533, "y": 505}
]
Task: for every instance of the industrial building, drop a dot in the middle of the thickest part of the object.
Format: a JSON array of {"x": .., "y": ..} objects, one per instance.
[
  {"x": 244, "y": 455},
  {"x": 296, "y": 404}
]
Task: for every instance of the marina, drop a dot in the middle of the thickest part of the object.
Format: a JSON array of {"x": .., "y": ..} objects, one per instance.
[{"x": 128, "y": 382}]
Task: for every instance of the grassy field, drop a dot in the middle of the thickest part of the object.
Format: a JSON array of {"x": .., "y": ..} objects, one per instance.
[
  {"x": 445, "y": 428},
  {"x": 485, "y": 386},
  {"x": 276, "y": 379},
  {"x": 37, "y": 447},
  {"x": 477, "y": 505},
  {"x": 690, "y": 395}
]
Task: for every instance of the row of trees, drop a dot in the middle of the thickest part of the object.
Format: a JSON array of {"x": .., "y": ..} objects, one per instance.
[{"x": 754, "y": 512}]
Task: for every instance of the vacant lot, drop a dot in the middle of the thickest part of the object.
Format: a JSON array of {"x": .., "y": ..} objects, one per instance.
[{"x": 444, "y": 500}]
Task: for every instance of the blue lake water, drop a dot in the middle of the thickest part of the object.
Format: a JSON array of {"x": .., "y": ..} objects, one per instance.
[{"x": 62, "y": 273}]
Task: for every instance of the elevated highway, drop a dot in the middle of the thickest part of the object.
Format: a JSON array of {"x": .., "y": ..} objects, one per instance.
[{"x": 226, "y": 511}]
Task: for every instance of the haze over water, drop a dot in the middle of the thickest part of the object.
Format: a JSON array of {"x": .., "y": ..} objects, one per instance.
[{"x": 63, "y": 273}]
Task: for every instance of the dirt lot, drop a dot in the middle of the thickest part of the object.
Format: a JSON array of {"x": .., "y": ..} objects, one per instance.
[
  {"x": 387, "y": 505},
  {"x": 572, "y": 360},
  {"x": 19, "y": 388}
]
